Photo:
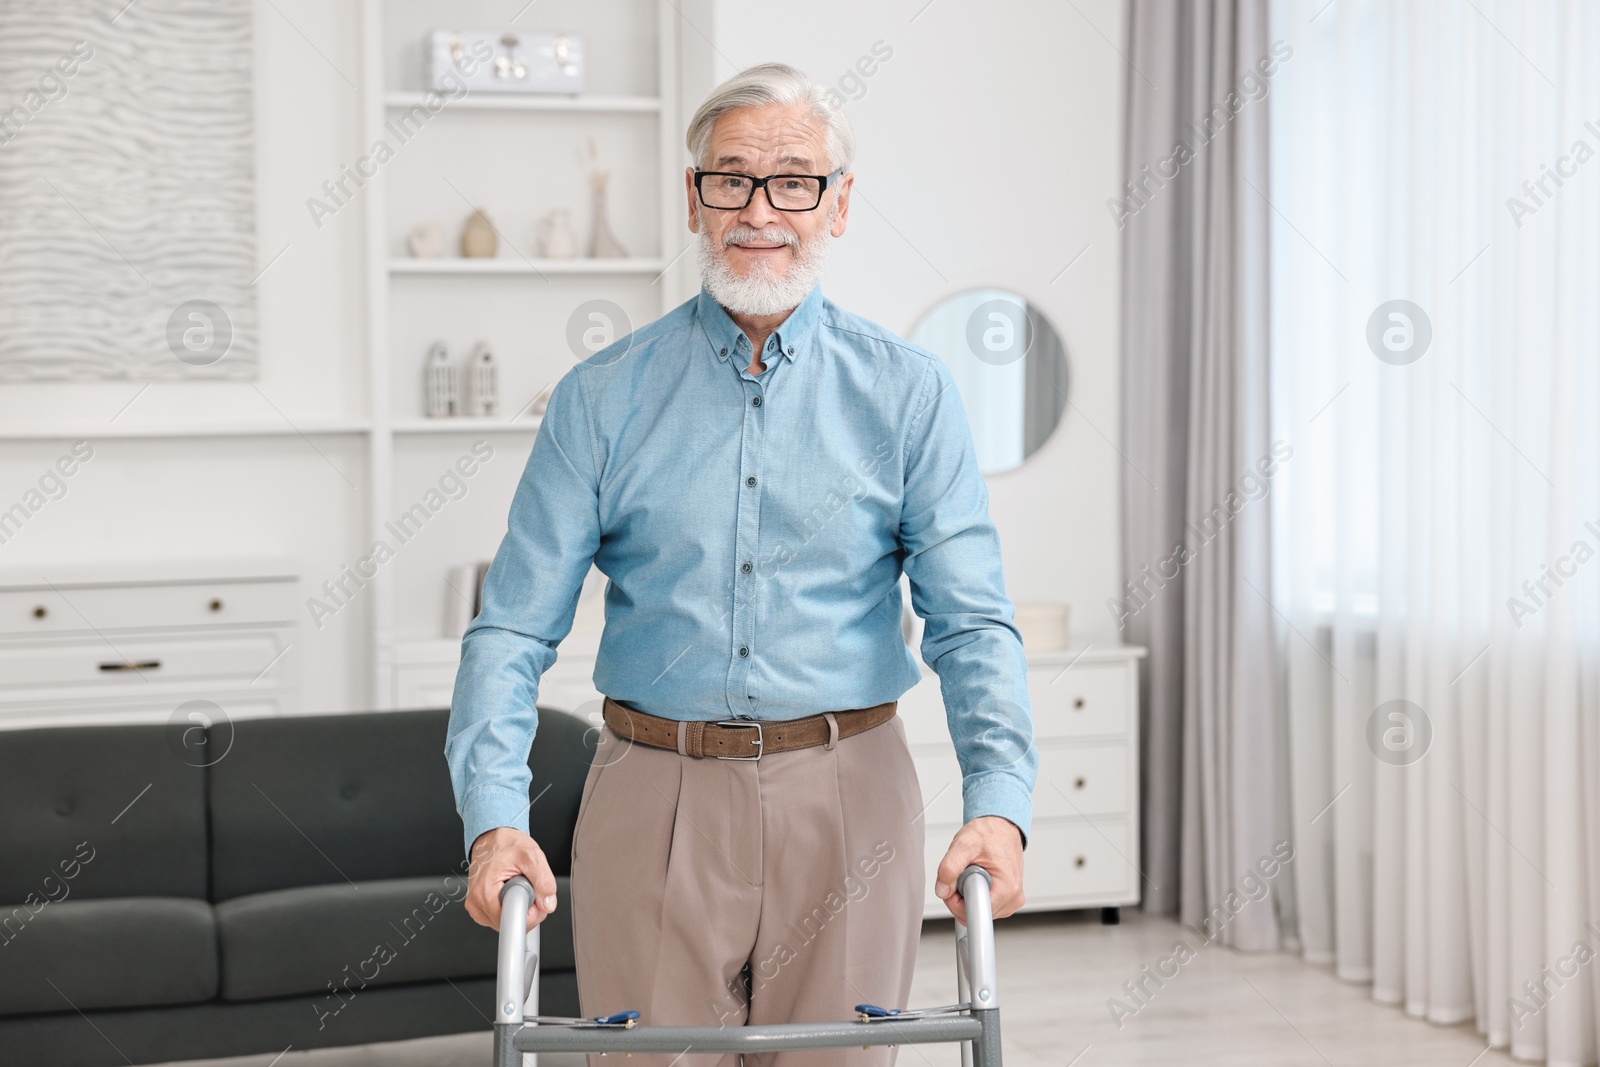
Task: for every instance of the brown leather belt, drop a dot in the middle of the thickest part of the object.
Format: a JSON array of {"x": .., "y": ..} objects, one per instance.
[{"x": 745, "y": 739}]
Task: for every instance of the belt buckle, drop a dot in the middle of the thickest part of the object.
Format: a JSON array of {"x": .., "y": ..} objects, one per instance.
[{"x": 751, "y": 724}]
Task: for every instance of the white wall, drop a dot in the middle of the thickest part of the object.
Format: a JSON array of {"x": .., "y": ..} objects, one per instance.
[
  {"x": 284, "y": 496},
  {"x": 987, "y": 147},
  {"x": 1032, "y": 87}
]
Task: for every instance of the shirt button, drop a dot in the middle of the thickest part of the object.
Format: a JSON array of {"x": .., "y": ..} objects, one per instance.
[
  {"x": 756, "y": 402},
  {"x": 751, "y": 481},
  {"x": 724, "y": 351},
  {"x": 791, "y": 350},
  {"x": 744, "y": 650},
  {"x": 745, "y": 566}
]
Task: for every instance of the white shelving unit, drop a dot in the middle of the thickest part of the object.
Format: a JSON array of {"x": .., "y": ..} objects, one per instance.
[
  {"x": 639, "y": 265},
  {"x": 506, "y": 154},
  {"x": 517, "y": 157},
  {"x": 531, "y": 102}
]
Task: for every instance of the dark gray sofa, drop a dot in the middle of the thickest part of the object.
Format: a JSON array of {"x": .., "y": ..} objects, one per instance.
[{"x": 303, "y": 888}]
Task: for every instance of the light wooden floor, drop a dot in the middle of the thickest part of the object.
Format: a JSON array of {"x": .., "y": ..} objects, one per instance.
[{"x": 1057, "y": 972}]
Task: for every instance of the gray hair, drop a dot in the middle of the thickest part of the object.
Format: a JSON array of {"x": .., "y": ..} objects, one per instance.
[{"x": 772, "y": 83}]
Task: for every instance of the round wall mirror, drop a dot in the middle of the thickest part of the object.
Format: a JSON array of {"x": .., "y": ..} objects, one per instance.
[{"x": 1011, "y": 368}]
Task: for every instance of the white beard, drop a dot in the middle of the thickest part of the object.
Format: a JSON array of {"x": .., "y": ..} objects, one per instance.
[{"x": 763, "y": 291}]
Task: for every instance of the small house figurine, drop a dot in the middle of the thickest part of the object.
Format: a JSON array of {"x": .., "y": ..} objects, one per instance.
[
  {"x": 426, "y": 240},
  {"x": 483, "y": 382},
  {"x": 556, "y": 239},
  {"x": 439, "y": 383}
]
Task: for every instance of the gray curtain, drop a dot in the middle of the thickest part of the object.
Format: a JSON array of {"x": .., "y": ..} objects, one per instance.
[{"x": 1196, "y": 547}]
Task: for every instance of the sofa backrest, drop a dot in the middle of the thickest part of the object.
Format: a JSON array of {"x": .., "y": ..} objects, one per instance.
[
  {"x": 92, "y": 812},
  {"x": 311, "y": 800}
]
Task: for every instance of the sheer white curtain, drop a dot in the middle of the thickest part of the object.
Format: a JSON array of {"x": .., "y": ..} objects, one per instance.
[{"x": 1437, "y": 533}]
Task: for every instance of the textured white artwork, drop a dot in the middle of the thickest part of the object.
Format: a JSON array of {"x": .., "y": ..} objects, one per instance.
[{"x": 127, "y": 179}]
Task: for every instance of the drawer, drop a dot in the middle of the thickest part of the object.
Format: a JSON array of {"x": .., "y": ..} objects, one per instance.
[
  {"x": 1074, "y": 780},
  {"x": 1068, "y": 861},
  {"x": 137, "y": 663},
  {"x": 1083, "y": 779},
  {"x": 1067, "y": 864},
  {"x": 1087, "y": 700},
  {"x": 1084, "y": 700},
  {"x": 123, "y": 607}
]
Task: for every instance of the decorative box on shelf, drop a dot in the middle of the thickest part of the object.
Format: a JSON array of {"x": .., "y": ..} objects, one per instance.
[{"x": 145, "y": 642}]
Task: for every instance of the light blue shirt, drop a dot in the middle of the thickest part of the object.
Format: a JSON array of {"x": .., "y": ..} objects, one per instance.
[{"x": 753, "y": 529}]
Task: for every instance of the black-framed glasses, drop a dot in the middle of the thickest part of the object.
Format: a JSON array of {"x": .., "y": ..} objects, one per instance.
[{"x": 730, "y": 191}]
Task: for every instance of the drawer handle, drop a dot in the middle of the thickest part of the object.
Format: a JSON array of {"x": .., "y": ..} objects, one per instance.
[
  {"x": 1078, "y": 703},
  {"x": 1080, "y": 783},
  {"x": 216, "y": 605},
  {"x": 40, "y": 611},
  {"x": 132, "y": 665},
  {"x": 1079, "y": 862}
]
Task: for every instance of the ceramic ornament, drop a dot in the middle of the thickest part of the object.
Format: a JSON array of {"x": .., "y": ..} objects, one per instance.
[
  {"x": 478, "y": 239},
  {"x": 483, "y": 382},
  {"x": 556, "y": 237},
  {"x": 426, "y": 240},
  {"x": 439, "y": 383}
]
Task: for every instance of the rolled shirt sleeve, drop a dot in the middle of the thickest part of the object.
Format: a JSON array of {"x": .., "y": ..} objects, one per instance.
[
  {"x": 952, "y": 559},
  {"x": 530, "y": 596}
]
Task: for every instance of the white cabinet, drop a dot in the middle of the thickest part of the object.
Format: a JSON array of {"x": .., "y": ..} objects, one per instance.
[
  {"x": 145, "y": 642},
  {"x": 1083, "y": 848}
]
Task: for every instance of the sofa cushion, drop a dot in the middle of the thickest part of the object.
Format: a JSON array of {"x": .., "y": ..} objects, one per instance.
[
  {"x": 327, "y": 938},
  {"x": 349, "y": 799},
  {"x": 93, "y": 812},
  {"x": 92, "y": 954}
]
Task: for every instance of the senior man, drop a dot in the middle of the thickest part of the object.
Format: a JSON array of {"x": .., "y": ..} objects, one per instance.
[{"x": 752, "y": 472}]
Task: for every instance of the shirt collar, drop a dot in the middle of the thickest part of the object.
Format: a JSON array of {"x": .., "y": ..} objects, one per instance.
[{"x": 794, "y": 335}]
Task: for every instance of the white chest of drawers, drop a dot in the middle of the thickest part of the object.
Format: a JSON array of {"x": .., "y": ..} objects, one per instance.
[
  {"x": 144, "y": 642},
  {"x": 1083, "y": 848}
]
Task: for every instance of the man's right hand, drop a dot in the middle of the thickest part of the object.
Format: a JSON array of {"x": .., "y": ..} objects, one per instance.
[{"x": 497, "y": 857}]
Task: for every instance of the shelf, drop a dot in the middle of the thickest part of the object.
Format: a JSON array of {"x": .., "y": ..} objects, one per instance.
[
  {"x": 104, "y": 430},
  {"x": 529, "y": 102},
  {"x": 641, "y": 113},
  {"x": 465, "y": 424},
  {"x": 517, "y": 265}
]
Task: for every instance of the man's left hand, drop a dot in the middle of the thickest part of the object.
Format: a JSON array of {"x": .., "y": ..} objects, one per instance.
[{"x": 995, "y": 844}]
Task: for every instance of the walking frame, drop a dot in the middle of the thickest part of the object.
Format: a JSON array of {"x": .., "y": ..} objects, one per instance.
[{"x": 975, "y": 1022}]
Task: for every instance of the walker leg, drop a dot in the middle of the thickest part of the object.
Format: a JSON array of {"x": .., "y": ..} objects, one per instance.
[
  {"x": 986, "y": 1050},
  {"x": 963, "y": 987},
  {"x": 504, "y": 1054}
]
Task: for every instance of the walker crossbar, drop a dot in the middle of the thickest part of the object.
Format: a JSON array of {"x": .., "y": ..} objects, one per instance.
[
  {"x": 750, "y": 1039},
  {"x": 975, "y": 1022}
]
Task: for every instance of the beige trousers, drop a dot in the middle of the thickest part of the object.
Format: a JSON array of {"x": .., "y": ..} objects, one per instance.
[{"x": 712, "y": 892}]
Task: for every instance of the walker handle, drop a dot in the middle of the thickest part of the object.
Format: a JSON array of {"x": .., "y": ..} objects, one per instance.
[
  {"x": 973, "y": 884},
  {"x": 518, "y": 961}
]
